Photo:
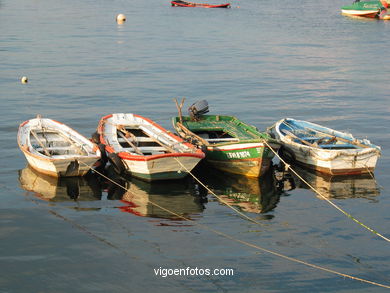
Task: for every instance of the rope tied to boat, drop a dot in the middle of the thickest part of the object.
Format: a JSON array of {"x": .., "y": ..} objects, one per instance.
[
  {"x": 248, "y": 244},
  {"x": 325, "y": 198}
]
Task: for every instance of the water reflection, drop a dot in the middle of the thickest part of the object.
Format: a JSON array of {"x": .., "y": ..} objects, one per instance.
[
  {"x": 251, "y": 195},
  {"x": 338, "y": 187},
  {"x": 156, "y": 199},
  {"x": 50, "y": 188},
  {"x": 164, "y": 199}
]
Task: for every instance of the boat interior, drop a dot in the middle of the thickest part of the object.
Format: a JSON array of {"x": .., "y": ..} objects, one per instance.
[
  {"x": 316, "y": 138},
  {"x": 216, "y": 136},
  {"x": 53, "y": 143},
  {"x": 135, "y": 139}
]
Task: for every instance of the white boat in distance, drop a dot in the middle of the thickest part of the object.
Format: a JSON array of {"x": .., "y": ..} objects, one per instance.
[
  {"x": 144, "y": 149},
  {"x": 324, "y": 149},
  {"x": 55, "y": 149}
]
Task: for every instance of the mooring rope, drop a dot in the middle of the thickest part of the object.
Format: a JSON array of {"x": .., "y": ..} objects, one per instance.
[
  {"x": 373, "y": 178},
  {"x": 227, "y": 236},
  {"x": 326, "y": 199},
  {"x": 218, "y": 197}
]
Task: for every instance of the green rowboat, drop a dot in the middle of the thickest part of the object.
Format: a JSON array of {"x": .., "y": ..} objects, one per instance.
[{"x": 230, "y": 144}]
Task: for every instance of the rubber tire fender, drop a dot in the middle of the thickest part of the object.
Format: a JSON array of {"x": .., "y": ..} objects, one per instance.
[
  {"x": 116, "y": 163},
  {"x": 287, "y": 154},
  {"x": 95, "y": 137}
]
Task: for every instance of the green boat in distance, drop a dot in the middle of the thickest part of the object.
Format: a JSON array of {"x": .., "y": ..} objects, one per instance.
[
  {"x": 230, "y": 144},
  {"x": 364, "y": 8}
]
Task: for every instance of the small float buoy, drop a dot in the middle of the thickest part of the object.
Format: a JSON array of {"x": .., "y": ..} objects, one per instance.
[
  {"x": 24, "y": 79},
  {"x": 120, "y": 18}
]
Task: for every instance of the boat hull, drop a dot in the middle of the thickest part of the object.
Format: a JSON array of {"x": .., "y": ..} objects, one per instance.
[
  {"x": 346, "y": 163},
  {"x": 174, "y": 158},
  {"x": 164, "y": 168},
  {"x": 251, "y": 159},
  {"x": 67, "y": 153},
  {"x": 245, "y": 151},
  {"x": 202, "y": 5},
  {"x": 368, "y": 9},
  {"x": 362, "y": 13},
  {"x": 355, "y": 158},
  {"x": 68, "y": 167}
]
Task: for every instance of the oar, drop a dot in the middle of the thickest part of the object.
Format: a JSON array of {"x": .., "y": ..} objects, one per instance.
[
  {"x": 163, "y": 145},
  {"x": 343, "y": 139},
  {"x": 190, "y": 133},
  {"x": 136, "y": 149},
  {"x": 40, "y": 143},
  {"x": 300, "y": 139},
  {"x": 331, "y": 136}
]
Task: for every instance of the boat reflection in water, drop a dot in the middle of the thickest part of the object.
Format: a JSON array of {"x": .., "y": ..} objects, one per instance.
[
  {"x": 253, "y": 195},
  {"x": 338, "y": 187},
  {"x": 170, "y": 200},
  {"x": 60, "y": 189}
]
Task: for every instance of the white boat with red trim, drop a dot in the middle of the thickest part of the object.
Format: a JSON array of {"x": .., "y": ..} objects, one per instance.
[
  {"x": 139, "y": 146},
  {"x": 55, "y": 149}
]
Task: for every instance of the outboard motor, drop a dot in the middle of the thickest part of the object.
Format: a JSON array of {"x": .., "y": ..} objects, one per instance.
[{"x": 198, "y": 109}]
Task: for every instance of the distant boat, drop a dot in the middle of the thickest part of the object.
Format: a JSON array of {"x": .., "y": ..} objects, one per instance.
[
  {"x": 324, "y": 149},
  {"x": 180, "y": 3},
  {"x": 363, "y": 8},
  {"x": 230, "y": 144},
  {"x": 144, "y": 149},
  {"x": 55, "y": 149}
]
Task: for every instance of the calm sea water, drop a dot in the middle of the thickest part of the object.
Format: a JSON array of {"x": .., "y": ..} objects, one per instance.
[{"x": 259, "y": 60}]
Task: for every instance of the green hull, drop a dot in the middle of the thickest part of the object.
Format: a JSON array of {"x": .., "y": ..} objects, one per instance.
[
  {"x": 230, "y": 144},
  {"x": 364, "y": 6},
  {"x": 370, "y": 9}
]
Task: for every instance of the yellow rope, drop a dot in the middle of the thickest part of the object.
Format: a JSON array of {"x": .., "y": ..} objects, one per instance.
[
  {"x": 218, "y": 197},
  {"x": 326, "y": 199},
  {"x": 245, "y": 242}
]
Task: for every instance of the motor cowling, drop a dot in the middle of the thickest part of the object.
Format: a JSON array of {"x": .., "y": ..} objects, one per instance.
[{"x": 198, "y": 109}]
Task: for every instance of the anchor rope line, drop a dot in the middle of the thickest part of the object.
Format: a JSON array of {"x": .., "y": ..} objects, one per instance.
[
  {"x": 218, "y": 197},
  {"x": 373, "y": 177},
  {"x": 248, "y": 244},
  {"x": 326, "y": 199}
]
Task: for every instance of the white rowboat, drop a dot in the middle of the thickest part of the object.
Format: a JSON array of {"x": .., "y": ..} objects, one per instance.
[
  {"x": 324, "y": 149},
  {"x": 55, "y": 149},
  {"x": 144, "y": 149}
]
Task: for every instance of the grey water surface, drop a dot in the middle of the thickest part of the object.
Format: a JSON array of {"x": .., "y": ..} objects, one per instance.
[{"x": 259, "y": 60}]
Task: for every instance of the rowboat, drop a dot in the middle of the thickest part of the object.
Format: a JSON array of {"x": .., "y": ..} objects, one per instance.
[
  {"x": 144, "y": 149},
  {"x": 55, "y": 149},
  {"x": 180, "y": 3},
  {"x": 369, "y": 9},
  {"x": 230, "y": 144},
  {"x": 324, "y": 149}
]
